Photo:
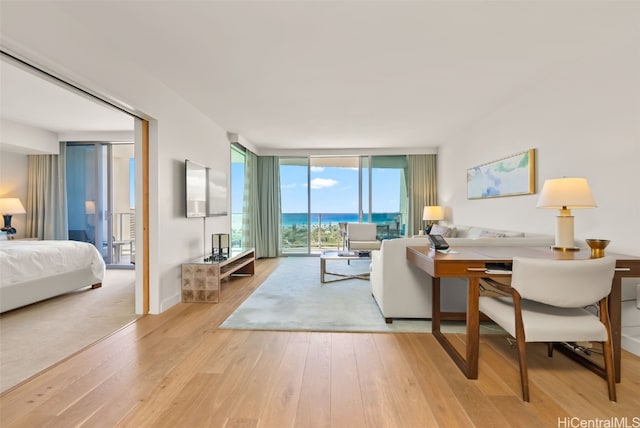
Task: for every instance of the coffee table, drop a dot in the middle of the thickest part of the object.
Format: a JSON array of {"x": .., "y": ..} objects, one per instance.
[{"x": 340, "y": 255}]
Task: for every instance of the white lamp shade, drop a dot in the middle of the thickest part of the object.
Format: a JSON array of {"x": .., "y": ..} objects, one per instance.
[
  {"x": 433, "y": 212},
  {"x": 566, "y": 193},
  {"x": 10, "y": 206},
  {"x": 90, "y": 207}
]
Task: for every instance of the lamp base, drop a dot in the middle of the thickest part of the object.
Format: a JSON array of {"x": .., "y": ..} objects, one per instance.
[
  {"x": 556, "y": 248},
  {"x": 7, "y": 225},
  {"x": 564, "y": 232}
]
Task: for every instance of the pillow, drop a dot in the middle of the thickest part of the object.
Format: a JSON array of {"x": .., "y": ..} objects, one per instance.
[
  {"x": 490, "y": 234},
  {"x": 446, "y": 232}
]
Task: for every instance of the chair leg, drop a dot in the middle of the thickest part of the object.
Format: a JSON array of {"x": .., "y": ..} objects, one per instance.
[
  {"x": 608, "y": 367},
  {"x": 607, "y": 348},
  {"x": 522, "y": 346},
  {"x": 522, "y": 359},
  {"x": 550, "y": 349}
]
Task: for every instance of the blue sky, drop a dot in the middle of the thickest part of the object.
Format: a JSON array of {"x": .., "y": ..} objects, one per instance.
[{"x": 333, "y": 190}]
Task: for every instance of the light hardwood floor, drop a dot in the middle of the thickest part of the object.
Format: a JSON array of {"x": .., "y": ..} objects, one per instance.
[{"x": 178, "y": 369}]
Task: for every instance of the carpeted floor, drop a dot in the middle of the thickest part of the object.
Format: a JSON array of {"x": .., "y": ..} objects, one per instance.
[
  {"x": 37, "y": 336},
  {"x": 293, "y": 298}
]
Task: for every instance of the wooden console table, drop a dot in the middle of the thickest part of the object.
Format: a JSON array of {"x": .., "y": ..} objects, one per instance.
[
  {"x": 201, "y": 279},
  {"x": 471, "y": 263}
]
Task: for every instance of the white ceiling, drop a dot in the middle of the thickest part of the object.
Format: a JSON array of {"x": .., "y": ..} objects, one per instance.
[
  {"x": 34, "y": 101},
  {"x": 338, "y": 74}
]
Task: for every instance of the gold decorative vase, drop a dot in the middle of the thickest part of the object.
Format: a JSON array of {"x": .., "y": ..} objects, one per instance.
[{"x": 597, "y": 247}]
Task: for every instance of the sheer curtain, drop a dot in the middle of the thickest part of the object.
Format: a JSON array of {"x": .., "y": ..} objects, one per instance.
[
  {"x": 261, "y": 205},
  {"x": 423, "y": 183},
  {"x": 47, "y": 196}
]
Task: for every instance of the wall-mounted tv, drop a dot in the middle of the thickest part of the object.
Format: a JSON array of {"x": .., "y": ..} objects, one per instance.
[
  {"x": 206, "y": 191},
  {"x": 196, "y": 189}
]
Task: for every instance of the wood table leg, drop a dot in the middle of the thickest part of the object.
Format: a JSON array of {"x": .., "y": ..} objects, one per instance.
[
  {"x": 469, "y": 364},
  {"x": 435, "y": 304},
  {"x": 473, "y": 327}
]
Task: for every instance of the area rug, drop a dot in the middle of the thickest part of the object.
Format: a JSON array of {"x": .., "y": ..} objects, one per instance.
[{"x": 293, "y": 298}]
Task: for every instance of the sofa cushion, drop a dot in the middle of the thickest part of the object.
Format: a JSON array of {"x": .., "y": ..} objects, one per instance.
[
  {"x": 364, "y": 245},
  {"x": 474, "y": 232},
  {"x": 508, "y": 234},
  {"x": 461, "y": 231}
]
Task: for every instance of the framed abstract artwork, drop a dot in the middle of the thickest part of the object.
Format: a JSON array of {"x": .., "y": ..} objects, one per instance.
[{"x": 510, "y": 176}]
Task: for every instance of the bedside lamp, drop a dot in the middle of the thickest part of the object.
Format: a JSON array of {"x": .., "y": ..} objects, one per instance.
[
  {"x": 430, "y": 215},
  {"x": 564, "y": 194},
  {"x": 90, "y": 207},
  {"x": 9, "y": 207}
]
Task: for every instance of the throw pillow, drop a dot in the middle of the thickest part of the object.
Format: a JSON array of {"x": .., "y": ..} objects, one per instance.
[
  {"x": 446, "y": 232},
  {"x": 490, "y": 234}
]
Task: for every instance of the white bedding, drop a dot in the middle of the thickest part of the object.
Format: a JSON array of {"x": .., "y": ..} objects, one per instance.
[{"x": 23, "y": 261}]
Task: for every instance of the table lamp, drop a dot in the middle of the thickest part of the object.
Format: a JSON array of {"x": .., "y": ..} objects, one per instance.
[
  {"x": 565, "y": 194},
  {"x": 219, "y": 246},
  {"x": 430, "y": 214},
  {"x": 9, "y": 207}
]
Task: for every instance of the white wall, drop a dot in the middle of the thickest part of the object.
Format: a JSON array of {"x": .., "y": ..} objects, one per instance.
[
  {"x": 13, "y": 184},
  {"x": 584, "y": 120},
  {"x": 46, "y": 36}
]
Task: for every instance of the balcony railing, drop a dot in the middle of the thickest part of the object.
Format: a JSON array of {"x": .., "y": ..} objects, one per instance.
[{"x": 325, "y": 229}]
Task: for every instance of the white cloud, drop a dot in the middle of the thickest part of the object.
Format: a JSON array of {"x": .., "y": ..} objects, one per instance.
[
  {"x": 321, "y": 183},
  {"x": 317, "y": 168}
]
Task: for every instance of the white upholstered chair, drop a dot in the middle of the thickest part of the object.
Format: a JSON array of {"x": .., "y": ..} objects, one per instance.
[
  {"x": 362, "y": 236},
  {"x": 547, "y": 305}
]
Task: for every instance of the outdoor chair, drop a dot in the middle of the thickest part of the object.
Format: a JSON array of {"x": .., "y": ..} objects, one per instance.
[{"x": 362, "y": 237}]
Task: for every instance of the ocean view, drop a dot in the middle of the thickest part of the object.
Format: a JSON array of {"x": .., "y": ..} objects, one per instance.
[
  {"x": 324, "y": 219},
  {"x": 325, "y": 229}
]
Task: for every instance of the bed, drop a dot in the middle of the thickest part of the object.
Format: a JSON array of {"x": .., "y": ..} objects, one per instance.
[{"x": 31, "y": 270}]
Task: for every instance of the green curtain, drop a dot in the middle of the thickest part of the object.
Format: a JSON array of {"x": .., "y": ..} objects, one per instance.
[
  {"x": 423, "y": 184},
  {"x": 261, "y": 205},
  {"x": 47, "y": 196}
]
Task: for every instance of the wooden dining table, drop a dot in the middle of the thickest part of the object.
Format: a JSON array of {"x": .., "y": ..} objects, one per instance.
[{"x": 474, "y": 263}]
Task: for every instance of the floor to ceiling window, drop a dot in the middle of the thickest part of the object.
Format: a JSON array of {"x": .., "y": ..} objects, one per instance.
[
  {"x": 335, "y": 198},
  {"x": 294, "y": 195},
  {"x": 320, "y": 192},
  {"x": 101, "y": 199},
  {"x": 237, "y": 194},
  {"x": 389, "y": 195}
]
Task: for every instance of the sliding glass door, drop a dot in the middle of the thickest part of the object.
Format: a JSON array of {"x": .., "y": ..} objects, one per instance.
[
  {"x": 319, "y": 193},
  {"x": 101, "y": 199},
  {"x": 238, "y": 159},
  {"x": 295, "y": 223},
  {"x": 85, "y": 197},
  {"x": 389, "y": 200},
  {"x": 335, "y": 198}
]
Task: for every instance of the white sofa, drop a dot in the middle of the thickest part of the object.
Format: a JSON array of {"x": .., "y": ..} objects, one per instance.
[{"x": 403, "y": 291}]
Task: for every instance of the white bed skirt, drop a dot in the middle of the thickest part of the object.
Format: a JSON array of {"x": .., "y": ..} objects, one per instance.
[{"x": 25, "y": 293}]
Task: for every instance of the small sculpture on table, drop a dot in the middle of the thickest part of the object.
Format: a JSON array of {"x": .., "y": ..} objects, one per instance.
[{"x": 597, "y": 247}]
